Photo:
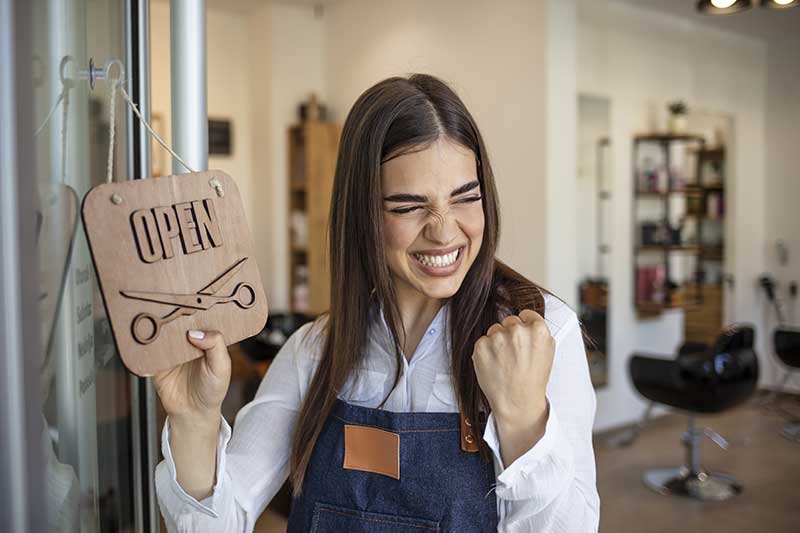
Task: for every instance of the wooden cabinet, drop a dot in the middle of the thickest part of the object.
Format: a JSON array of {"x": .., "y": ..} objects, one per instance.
[
  {"x": 679, "y": 215},
  {"x": 313, "y": 147}
]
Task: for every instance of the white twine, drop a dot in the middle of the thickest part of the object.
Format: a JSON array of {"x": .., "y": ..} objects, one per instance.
[
  {"x": 63, "y": 100},
  {"x": 112, "y": 128},
  {"x": 117, "y": 85},
  {"x": 144, "y": 122},
  {"x": 64, "y": 116},
  {"x": 50, "y": 114}
]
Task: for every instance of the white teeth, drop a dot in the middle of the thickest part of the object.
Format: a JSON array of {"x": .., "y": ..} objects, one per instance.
[{"x": 438, "y": 260}]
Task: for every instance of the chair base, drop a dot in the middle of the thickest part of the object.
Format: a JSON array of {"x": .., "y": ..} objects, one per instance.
[
  {"x": 791, "y": 431},
  {"x": 705, "y": 486}
]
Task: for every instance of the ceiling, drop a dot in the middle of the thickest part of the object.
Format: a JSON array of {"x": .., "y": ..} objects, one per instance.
[{"x": 765, "y": 24}]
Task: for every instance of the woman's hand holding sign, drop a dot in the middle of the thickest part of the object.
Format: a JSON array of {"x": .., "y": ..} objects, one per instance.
[
  {"x": 192, "y": 395},
  {"x": 512, "y": 363}
]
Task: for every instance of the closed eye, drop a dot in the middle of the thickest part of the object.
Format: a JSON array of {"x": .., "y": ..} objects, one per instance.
[
  {"x": 469, "y": 200},
  {"x": 403, "y": 210}
]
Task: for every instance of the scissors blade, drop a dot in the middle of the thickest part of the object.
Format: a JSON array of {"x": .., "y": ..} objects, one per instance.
[
  {"x": 224, "y": 278},
  {"x": 191, "y": 301}
]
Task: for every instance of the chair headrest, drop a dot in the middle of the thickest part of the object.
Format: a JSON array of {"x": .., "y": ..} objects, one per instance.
[
  {"x": 735, "y": 337},
  {"x": 787, "y": 341}
]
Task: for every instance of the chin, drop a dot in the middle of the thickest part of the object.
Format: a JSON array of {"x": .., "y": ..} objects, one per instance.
[{"x": 440, "y": 293}]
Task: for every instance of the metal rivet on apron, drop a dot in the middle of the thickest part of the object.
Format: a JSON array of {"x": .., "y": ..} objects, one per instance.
[
  {"x": 469, "y": 439},
  {"x": 467, "y": 422}
]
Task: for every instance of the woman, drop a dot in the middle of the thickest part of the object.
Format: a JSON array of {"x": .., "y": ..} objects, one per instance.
[{"x": 442, "y": 391}]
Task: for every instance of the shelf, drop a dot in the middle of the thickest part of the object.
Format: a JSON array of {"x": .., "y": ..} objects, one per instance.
[
  {"x": 654, "y": 309},
  {"x": 693, "y": 190},
  {"x": 717, "y": 152},
  {"x": 668, "y": 247},
  {"x": 704, "y": 248},
  {"x": 667, "y": 137}
]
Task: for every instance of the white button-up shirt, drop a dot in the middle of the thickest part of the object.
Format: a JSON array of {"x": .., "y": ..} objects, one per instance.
[{"x": 550, "y": 488}]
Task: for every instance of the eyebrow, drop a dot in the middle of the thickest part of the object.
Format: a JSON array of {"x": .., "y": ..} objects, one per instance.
[{"x": 420, "y": 198}]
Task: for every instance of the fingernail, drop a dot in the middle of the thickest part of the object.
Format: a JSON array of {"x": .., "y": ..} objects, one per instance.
[{"x": 197, "y": 334}]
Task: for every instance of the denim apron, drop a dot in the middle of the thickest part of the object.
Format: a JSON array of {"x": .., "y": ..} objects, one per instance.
[{"x": 440, "y": 486}]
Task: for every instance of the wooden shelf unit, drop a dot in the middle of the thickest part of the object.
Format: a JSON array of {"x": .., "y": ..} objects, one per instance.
[
  {"x": 313, "y": 147},
  {"x": 701, "y": 301}
]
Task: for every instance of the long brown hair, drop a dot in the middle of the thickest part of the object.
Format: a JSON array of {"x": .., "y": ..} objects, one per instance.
[{"x": 396, "y": 116}]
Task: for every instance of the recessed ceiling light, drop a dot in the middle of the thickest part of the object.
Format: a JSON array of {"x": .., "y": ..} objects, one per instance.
[
  {"x": 780, "y": 4},
  {"x": 723, "y": 7}
]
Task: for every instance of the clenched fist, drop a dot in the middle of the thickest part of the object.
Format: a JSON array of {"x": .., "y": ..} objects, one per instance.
[{"x": 512, "y": 363}]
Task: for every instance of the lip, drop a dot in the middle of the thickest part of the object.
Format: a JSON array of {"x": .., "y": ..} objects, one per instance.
[
  {"x": 439, "y": 251},
  {"x": 440, "y": 271}
]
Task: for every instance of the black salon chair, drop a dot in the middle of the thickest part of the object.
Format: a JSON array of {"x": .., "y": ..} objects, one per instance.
[
  {"x": 700, "y": 380},
  {"x": 787, "y": 347},
  {"x": 277, "y": 330}
]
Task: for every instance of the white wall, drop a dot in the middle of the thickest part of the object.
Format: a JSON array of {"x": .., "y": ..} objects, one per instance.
[
  {"x": 287, "y": 65},
  {"x": 641, "y": 59},
  {"x": 561, "y": 150},
  {"x": 228, "y": 87},
  {"x": 492, "y": 53},
  {"x": 263, "y": 59},
  {"x": 783, "y": 179}
]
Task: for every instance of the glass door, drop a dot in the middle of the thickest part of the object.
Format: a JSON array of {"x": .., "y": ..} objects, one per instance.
[{"x": 93, "y": 438}]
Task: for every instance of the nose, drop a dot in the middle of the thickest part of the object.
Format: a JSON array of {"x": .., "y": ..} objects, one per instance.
[{"x": 442, "y": 227}]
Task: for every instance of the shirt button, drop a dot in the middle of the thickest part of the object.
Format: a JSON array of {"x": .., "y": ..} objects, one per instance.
[{"x": 432, "y": 331}]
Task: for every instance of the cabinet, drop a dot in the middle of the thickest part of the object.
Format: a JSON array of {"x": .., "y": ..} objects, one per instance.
[
  {"x": 679, "y": 214},
  {"x": 313, "y": 146}
]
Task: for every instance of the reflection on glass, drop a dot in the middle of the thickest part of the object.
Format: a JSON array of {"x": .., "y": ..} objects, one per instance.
[
  {"x": 86, "y": 439},
  {"x": 594, "y": 191},
  {"x": 56, "y": 219}
]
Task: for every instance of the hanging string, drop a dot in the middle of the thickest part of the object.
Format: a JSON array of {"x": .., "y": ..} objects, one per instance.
[
  {"x": 63, "y": 101},
  {"x": 50, "y": 114},
  {"x": 155, "y": 135},
  {"x": 112, "y": 128},
  {"x": 117, "y": 84},
  {"x": 64, "y": 116}
]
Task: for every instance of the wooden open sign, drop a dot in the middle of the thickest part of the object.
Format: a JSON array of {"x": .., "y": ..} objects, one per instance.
[{"x": 172, "y": 254}]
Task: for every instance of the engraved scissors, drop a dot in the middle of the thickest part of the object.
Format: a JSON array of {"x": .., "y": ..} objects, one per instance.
[{"x": 146, "y": 327}]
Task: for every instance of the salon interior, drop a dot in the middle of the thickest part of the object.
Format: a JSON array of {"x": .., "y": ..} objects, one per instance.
[{"x": 646, "y": 159}]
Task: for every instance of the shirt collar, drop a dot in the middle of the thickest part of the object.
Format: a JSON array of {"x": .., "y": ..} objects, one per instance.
[{"x": 380, "y": 328}]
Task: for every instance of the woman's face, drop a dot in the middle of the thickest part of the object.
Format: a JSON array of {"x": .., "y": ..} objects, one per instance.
[{"x": 433, "y": 218}]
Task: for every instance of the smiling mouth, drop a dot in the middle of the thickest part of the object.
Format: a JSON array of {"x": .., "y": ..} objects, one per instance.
[{"x": 443, "y": 262}]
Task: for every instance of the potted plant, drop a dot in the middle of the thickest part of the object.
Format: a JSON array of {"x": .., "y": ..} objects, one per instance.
[{"x": 677, "y": 116}]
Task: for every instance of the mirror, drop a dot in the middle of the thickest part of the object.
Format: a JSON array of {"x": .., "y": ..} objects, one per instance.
[{"x": 594, "y": 220}]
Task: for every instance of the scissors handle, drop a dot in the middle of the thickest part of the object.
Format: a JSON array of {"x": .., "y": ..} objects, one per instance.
[
  {"x": 244, "y": 295},
  {"x": 146, "y": 327}
]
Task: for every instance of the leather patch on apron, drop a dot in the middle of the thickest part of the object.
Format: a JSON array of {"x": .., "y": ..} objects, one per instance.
[{"x": 372, "y": 450}]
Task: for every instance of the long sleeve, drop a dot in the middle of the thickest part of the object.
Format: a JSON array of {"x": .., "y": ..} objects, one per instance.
[
  {"x": 252, "y": 460},
  {"x": 552, "y": 487}
]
